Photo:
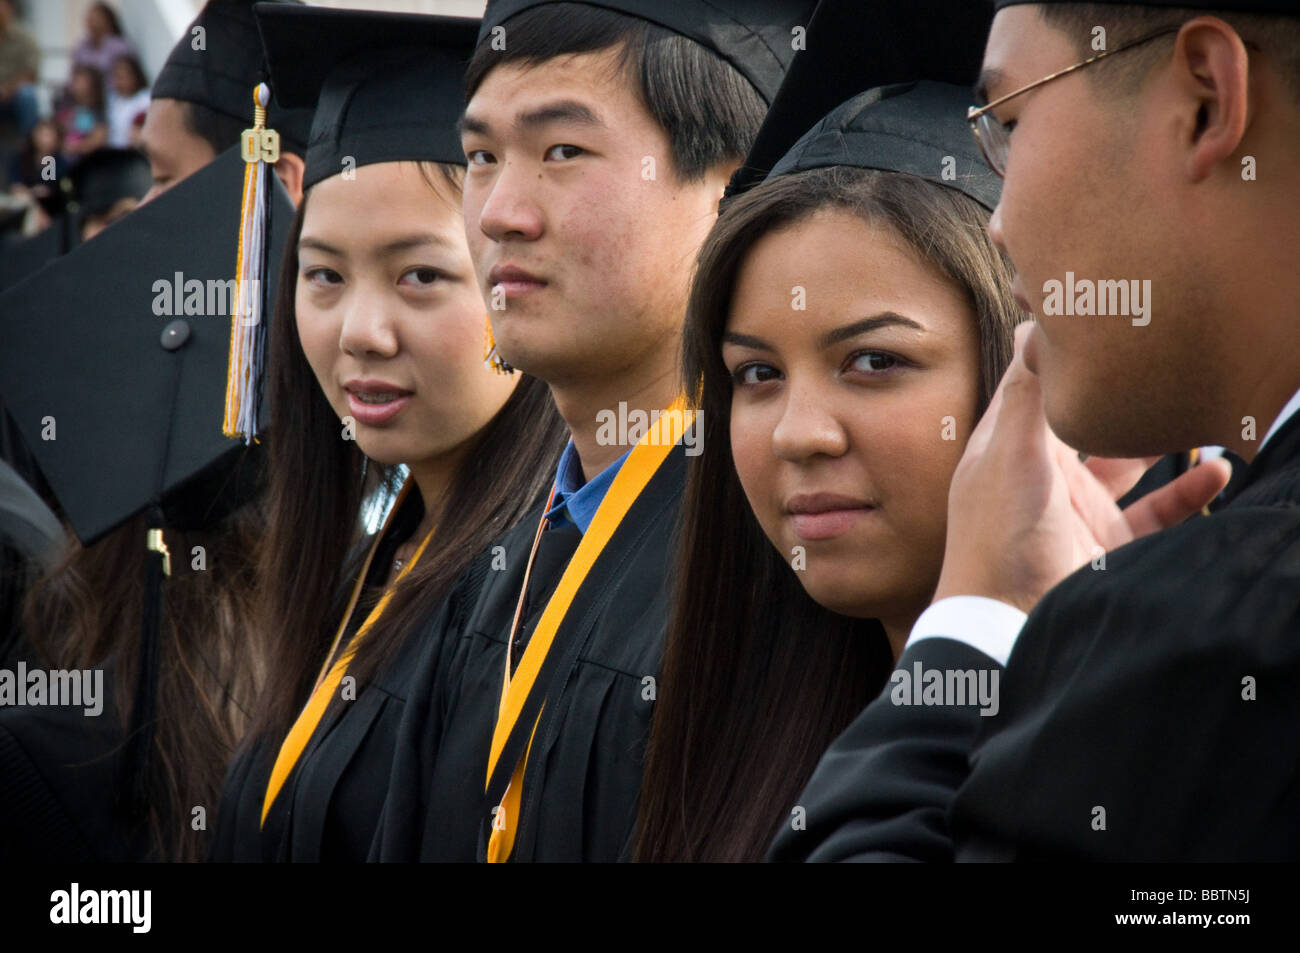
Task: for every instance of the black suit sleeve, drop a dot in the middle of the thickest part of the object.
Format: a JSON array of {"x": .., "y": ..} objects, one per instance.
[{"x": 882, "y": 791}]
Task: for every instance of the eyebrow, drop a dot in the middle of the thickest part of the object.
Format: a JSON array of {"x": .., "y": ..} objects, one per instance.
[
  {"x": 564, "y": 111},
  {"x": 885, "y": 319},
  {"x": 396, "y": 246},
  {"x": 988, "y": 79},
  {"x": 831, "y": 338}
]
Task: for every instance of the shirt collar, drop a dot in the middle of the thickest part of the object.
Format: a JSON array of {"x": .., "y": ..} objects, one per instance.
[
  {"x": 575, "y": 501},
  {"x": 1288, "y": 411}
]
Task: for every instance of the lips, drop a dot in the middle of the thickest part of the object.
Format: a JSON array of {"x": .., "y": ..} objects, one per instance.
[
  {"x": 514, "y": 281},
  {"x": 820, "y": 516},
  {"x": 375, "y": 402}
]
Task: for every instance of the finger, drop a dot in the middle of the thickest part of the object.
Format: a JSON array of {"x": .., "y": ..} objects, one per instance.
[
  {"x": 1175, "y": 501},
  {"x": 983, "y": 430},
  {"x": 1019, "y": 426},
  {"x": 1119, "y": 475},
  {"x": 1092, "y": 501}
]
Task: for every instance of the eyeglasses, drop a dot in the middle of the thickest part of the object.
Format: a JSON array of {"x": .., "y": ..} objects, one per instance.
[{"x": 995, "y": 139}]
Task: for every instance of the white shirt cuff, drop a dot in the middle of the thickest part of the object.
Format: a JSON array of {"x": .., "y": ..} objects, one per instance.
[{"x": 988, "y": 625}]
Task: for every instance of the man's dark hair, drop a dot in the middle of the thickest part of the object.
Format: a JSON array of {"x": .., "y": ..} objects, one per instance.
[
  {"x": 708, "y": 110},
  {"x": 1278, "y": 36},
  {"x": 216, "y": 129}
]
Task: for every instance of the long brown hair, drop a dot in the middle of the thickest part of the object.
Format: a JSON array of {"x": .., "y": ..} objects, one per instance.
[
  {"x": 758, "y": 679},
  {"x": 314, "y": 512},
  {"x": 87, "y": 611}
]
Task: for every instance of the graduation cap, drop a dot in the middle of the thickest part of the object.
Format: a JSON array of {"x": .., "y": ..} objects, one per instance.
[
  {"x": 855, "y": 45},
  {"x": 24, "y": 258},
  {"x": 115, "y": 358},
  {"x": 218, "y": 62},
  {"x": 107, "y": 176},
  {"x": 915, "y": 128},
  {"x": 1283, "y": 7},
  {"x": 387, "y": 87},
  {"x": 754, "y": 36}
]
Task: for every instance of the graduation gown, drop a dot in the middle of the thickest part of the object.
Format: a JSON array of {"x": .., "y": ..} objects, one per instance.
[
  {"x": 60, "y": 771},
  {"x": 583, "y": 771},
  {"x": 1148, "y": 712},
  {"x": 329, "y": 806}
]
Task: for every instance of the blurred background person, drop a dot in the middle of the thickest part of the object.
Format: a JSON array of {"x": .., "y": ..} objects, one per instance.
[
  {"x": 103, "y": 45},
  {"x": 82, "y": 115},
  {"x": 128, "y": 102},
  {"x": 20, "y": 61}
]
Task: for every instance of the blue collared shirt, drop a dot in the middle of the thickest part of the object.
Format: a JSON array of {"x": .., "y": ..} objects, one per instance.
[{"x": 576, "y": 502}]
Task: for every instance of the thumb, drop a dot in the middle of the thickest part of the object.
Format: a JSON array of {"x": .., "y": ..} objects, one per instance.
[
  {"x": 1020, "y": 424},
  {"x": 1175, "y": 501}
]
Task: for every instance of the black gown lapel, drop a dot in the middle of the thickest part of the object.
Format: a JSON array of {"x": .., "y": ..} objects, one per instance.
[{"x": 592, "y": 598}]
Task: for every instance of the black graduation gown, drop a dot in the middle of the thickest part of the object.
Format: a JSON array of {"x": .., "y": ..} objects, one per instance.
[
  {"x": 59, "y": 773},
  {"x": 583, "y": 774},
  {"x": 1148, "y": 712},
  {"x": 329, "y": 806}
]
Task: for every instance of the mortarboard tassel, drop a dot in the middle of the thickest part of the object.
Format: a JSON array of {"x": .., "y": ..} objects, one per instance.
[
  {"x": 135, "y": 786},
  {"x": 260, "y": 148},
  {"x": 490, "y": 355}
]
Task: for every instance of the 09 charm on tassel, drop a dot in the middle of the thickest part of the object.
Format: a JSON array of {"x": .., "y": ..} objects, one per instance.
[{"x": 260, "y": 149}]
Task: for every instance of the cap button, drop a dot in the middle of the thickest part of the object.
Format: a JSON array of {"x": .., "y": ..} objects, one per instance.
[{"x": 175, "y": 335}]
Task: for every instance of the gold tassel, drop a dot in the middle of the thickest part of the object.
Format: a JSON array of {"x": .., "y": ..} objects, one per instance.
[{"x": 260, "y": 148}]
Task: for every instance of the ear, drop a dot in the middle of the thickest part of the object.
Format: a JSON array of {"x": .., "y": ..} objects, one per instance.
[
  {"x": 290, "y": 169},
  {"x": 719, "y": 177},
  {"x": 1212, "y": 69}
]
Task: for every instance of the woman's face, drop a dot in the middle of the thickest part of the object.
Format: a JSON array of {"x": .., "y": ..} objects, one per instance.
[
  {"x": 97, "y": 23},
  {"x": 389, "y": 314},
  {"x": 855, "y": 376}
]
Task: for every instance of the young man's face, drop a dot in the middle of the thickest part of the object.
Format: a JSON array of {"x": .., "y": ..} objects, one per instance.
[
  {"x": 173, "y": 150},
  {"x": 1091, "y": 188},
  {"x": 582, "y": 237}
]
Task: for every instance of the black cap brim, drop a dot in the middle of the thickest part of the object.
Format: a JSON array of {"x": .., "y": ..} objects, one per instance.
[{"x": 856, "y": 45}]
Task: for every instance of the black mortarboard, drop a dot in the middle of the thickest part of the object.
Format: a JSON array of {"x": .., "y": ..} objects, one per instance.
[
  {"x": 916, "y": 128},
  {"x": 18, "y": 260},
  {"x": 223, "y": 72},
  {"x": 856, "y": 45},
  {"x": 387, "y": 87},
  {"x": 1284, "y": 7},
  {"x": 754, "y": 36},
  {"x": 135, "y": 391},
  {"x": 106, "y": 176}
]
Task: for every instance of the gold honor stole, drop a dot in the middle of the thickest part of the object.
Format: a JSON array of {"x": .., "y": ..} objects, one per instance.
[
  {"x": 327, "y": 682},
  {"x": 632, "y": 478}
]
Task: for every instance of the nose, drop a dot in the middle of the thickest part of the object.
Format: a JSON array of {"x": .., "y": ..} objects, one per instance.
[
  {"x": 808, "y": 427},
  {"x": 509, "y": 209},
  {"x": 368, "y": 330},
  {"x": 995, "y": 229}
]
